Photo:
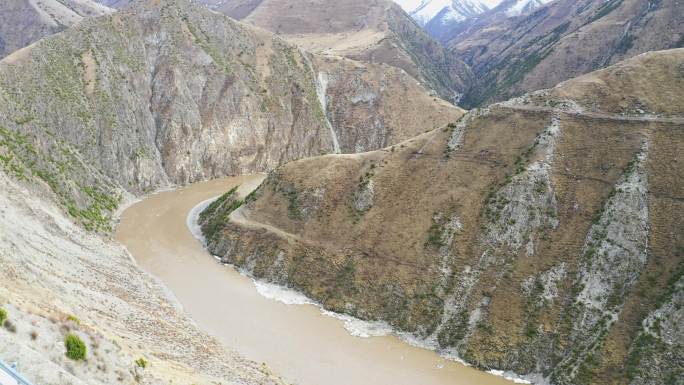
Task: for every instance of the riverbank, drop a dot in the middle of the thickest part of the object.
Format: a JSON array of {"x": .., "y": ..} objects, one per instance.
[{"x": 298, "y": 342}]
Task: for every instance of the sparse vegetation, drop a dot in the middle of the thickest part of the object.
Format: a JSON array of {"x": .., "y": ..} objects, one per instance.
[
  {"x": 141, "y": 363},
  {"x": 215, "y": 217},
  {"x": 294, "y": 210},
  {"x": 435, "y": 234},
  {"x": 75, "y": 347},
  {"x": 3, "y": 316},
  {"x": 455, "y": 330}
]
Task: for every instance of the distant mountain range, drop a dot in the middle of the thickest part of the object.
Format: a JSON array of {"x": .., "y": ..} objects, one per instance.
[
  {"x": 441, "y": 18},
  {"x": 447, "y": 11},
  {"x": 563, "y": 39}
]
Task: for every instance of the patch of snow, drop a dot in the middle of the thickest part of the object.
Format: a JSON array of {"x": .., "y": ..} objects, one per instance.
[
  {"x": 523, "y": 6},
  {"x": 424, "y": 11}
]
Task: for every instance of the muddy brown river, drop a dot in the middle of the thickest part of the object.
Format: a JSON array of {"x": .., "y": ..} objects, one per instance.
[{"x": 298, "y": 342}]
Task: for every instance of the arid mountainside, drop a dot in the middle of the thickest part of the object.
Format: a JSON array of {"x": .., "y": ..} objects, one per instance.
[
  {"x": 564, "y": 39},
  {"x": 58, "y": 279},
  {"x": 376, "y": 31},
  {"x": 158, "y": 94},
  {"x": 23, "y": 22},
  {"x": 541, "y": 235},
  {"x": 170, "y": 93}
]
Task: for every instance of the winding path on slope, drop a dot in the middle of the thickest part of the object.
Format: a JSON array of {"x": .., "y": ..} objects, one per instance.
[
  {"x": 598, "y": 115},
  {"x": 298, "y": 342}
]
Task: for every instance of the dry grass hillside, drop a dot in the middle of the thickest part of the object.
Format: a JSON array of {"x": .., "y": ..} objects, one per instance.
[
  {"x": 562, "y": 40},
  {"x": 376, "y": 31},
  {"x": 23, "y": 22},
  {"x": 538, "y": 235}
]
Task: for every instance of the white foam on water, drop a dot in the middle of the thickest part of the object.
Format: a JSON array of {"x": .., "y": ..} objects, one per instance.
[
  {"x": 288, "y": 296},
  {"x": 367, "y": 329},
  {"x": 361, "y": 328},
  {"x": 509, "y": 376},
  {"x": 192, "y": 220},
  {"x": 281, "y": 294}
]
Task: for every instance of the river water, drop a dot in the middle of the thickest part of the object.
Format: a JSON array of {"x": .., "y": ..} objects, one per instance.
[{"x": 298, "y": 342}]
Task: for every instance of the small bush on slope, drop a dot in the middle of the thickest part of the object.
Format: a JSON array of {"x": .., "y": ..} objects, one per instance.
[{"x": 76, "y": 348}]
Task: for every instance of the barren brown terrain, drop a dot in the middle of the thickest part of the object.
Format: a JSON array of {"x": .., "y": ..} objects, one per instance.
[{"x": 537, "y": 235}]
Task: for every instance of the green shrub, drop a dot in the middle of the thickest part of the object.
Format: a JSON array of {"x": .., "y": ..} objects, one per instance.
[
  {"x": 76, "y": 348},
  {"x": 141, "y": 362},
  {"x": 74, "y": 319},
  {"x": 3, "y": 316}
]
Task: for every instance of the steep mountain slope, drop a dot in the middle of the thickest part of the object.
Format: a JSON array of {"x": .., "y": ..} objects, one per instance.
[
  {"x": 447, "y": 32},
  {"x": 537, "y": 235},
  {"x": 445, "y": 19},
  {"x": 163, "y": 92},
  {"x": 375, "y": 31},
  {"x": 23, "y": 22},
  {"x": 562, "y": 40},
  {"x": 57, "y": 279},
  {"x": 371, "y": 106},
  {"x": 173, "y": 93}
]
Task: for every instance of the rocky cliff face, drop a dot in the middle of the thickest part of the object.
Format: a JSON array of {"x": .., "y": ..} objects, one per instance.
[
  {"x": 23, "y": 22},
  {"x": 372, "y": 106},
  {"x": 559, "y": 41},
  {"x": 376, "y": 31},
  {"x": 171, "y": 93},
  {"x": 536, "y": 235}
]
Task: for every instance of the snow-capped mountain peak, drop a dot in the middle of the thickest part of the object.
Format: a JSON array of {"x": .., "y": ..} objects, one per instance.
[
  {"x": 423, "y": 11},
  {"x": 518, "y": 7}
]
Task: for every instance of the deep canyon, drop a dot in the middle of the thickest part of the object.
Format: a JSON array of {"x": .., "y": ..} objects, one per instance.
[{"x": 325, "y": 151}]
